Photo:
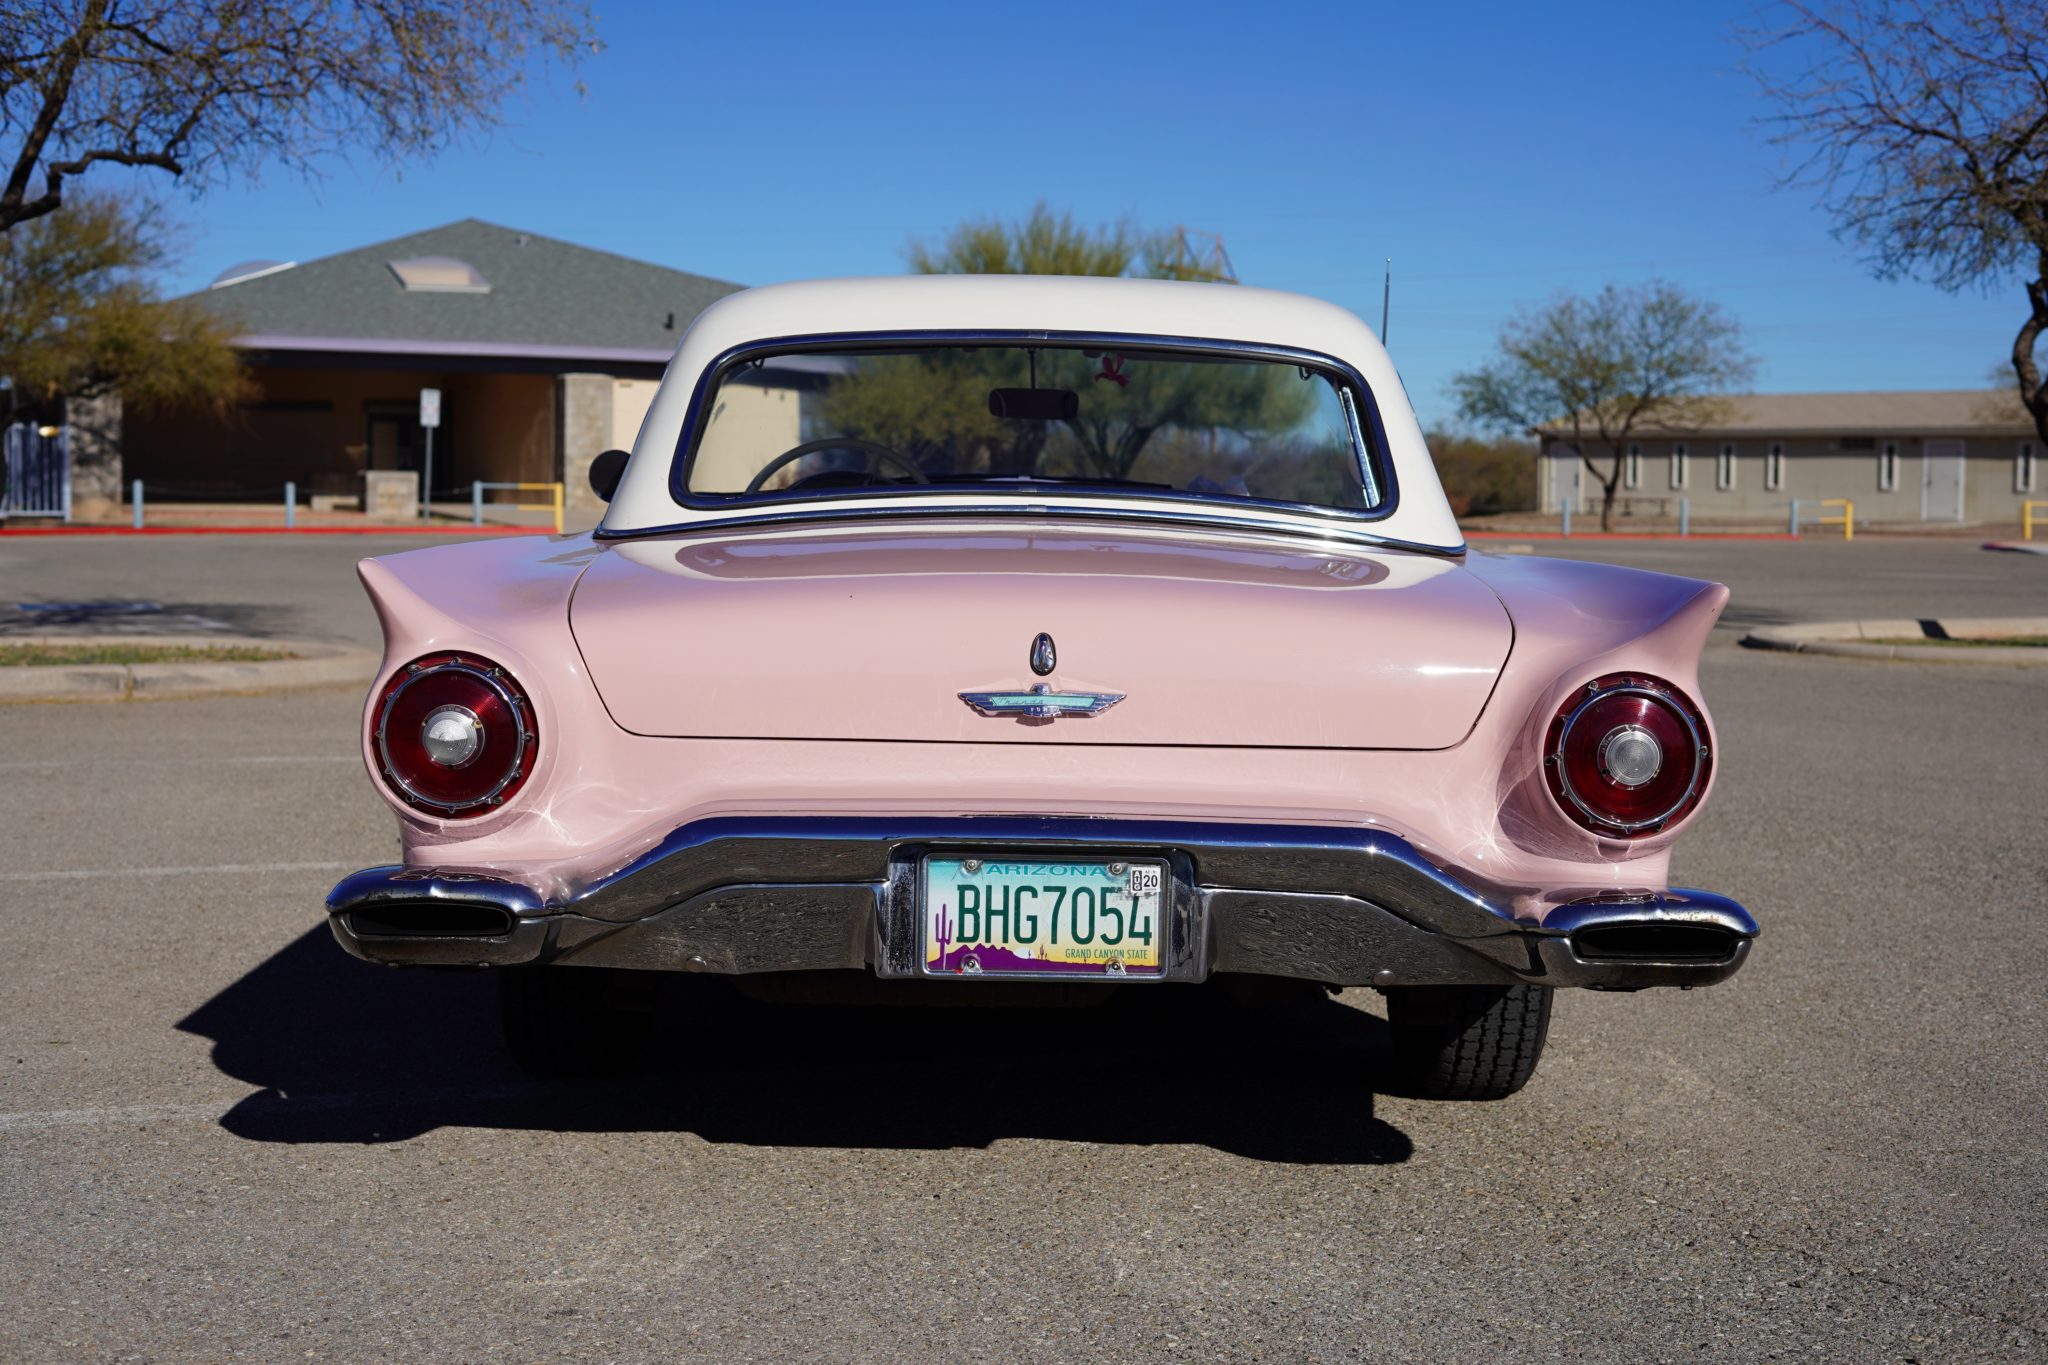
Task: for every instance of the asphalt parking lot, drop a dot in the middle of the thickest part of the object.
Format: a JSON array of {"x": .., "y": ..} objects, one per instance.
[{"x": 220, "y": 1138}]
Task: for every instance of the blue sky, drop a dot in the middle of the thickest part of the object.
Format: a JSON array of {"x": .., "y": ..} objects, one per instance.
[{"x": 1499, "y": 154}]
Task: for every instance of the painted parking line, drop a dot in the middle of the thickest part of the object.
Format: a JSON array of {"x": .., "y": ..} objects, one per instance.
[
  {"x": 102, "y": 1118},
  {"x": 87, "y": 873},
  {"x": 376, "y": 1100},
  {"x": 32, "y": 764}
]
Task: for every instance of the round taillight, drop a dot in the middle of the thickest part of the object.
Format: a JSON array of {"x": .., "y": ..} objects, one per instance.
[
  {"x": 454, "y": 734},
  {"x": 1627, "y": 756}
]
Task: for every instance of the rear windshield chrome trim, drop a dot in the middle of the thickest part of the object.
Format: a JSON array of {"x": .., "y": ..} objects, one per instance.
[
  {"x": 866, "y": 511},
  {"x": 1372, "y": 432}
]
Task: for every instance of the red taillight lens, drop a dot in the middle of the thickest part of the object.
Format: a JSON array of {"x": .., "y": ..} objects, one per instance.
[
  {"x": 454, "y": 734},
  {"x": 1627, "y": 756}
]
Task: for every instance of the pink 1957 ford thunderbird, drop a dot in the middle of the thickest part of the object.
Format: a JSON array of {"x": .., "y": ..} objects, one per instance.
[{"x": 999, "y": 631}]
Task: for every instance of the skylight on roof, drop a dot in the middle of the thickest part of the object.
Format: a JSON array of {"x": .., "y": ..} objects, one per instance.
[{"x": 439, "y": 275}]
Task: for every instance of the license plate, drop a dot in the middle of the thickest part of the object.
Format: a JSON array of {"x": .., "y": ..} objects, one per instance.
[{"x": 997, "y": 916}]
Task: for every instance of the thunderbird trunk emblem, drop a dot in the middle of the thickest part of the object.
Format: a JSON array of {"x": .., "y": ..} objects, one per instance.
[{"x": 1039, "y": 702}]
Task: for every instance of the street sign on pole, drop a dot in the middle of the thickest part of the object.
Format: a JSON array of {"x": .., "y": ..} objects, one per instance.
[{"x": 430, "y": 417}]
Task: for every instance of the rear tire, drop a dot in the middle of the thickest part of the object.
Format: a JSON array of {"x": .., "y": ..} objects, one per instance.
[
  {"x": 1467, "y": 1042},
  {"x": 571, "y": 1022}
]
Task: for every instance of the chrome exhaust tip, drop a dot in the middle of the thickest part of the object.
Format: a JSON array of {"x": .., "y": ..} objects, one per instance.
[
  {"x": 1676, "y": 938},
  {"x": 1651, "y": 941},
  {"x": 430, "y": 919}
]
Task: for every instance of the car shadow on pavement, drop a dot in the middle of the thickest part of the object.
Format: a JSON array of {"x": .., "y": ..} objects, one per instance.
[
  {"x": 146, "y": 618},
  {"x": 347, "y": 1052}
]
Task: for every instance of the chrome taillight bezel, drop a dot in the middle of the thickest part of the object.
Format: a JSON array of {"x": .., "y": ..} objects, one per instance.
[
  {"x": 1588, "y": 815},
  {"x": 493, "y": 677}
]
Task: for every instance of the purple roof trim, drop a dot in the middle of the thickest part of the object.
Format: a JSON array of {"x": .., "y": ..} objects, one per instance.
[{"x": 524, "y": 350}]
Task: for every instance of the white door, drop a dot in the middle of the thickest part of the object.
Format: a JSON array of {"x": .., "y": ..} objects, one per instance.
[{"x": 1941, "y": 481}]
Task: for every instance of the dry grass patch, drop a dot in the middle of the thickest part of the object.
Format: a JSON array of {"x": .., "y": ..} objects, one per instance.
[{"x": 34, "y": 655}]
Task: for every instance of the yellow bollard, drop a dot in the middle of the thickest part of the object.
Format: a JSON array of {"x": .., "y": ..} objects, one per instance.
[
  {"x": 1847, "y": 519},
  {"x": 554, "y": 492},
  {"x": 2027, "y": 518}
]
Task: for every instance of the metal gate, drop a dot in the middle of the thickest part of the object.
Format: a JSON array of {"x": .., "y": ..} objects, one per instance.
[{"x": 38, "y": 472}]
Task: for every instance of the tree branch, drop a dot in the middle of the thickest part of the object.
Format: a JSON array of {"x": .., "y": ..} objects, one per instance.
[{"x": 70, "y": 55}]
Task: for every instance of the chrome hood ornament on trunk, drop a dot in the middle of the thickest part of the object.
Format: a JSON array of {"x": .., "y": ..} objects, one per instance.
[{"x": 1043, "y": 656}]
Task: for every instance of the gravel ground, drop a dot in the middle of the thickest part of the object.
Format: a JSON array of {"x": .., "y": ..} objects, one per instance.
[{"x": 222, "y": 1139}]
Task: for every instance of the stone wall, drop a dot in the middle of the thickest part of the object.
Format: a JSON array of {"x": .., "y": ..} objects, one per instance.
[
  {"x": 583, "y": 409},
  {"x": 95, "y": 443}
]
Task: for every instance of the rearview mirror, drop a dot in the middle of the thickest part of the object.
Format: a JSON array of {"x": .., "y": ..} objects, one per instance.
[
  {"x": 1037, "y": 405},
  {"x": 605, "y": 472}
]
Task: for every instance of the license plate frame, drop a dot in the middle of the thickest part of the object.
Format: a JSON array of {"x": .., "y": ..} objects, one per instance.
[{"x": 1162, "y": 893}]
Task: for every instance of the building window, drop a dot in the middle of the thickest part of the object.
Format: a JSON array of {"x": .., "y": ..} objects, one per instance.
[
  {"x": 2023, "y": 468},
  {"x": 1888, "y": 468},
  {"x": 1724, "y": 467},
  {"x": 1774, "y": 468},
  {"x": 1678, "y": 470},
  {"x": 1632, "y": 468}
]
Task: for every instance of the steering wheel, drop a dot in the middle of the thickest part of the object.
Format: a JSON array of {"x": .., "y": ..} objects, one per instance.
[{"x": 877, "y": 456}]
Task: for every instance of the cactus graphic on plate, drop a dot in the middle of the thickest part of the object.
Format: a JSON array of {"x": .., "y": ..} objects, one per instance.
[{"x": 942, "y": 934}]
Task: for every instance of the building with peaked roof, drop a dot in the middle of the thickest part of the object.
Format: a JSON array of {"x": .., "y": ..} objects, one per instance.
[
  {"x": 545, "y": 353},
  {"x": 1933, "y": 456}
]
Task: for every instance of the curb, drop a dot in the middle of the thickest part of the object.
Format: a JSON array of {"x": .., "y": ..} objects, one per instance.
[
  {"x": 1857, "y": 639},
  {"x": 318, "y": 665}
]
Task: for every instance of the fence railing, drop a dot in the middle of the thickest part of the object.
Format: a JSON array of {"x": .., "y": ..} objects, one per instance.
[
  {"x": 2027, "y": 518},
  {"x": 478, "y": 489},
  {"x": 1684, "y": 515},
  {"x": 138, "y": 501},
  {"x": 35, "y": 480}
]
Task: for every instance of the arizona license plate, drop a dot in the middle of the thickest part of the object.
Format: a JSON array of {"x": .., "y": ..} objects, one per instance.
[{"x": 997, "y": 916}]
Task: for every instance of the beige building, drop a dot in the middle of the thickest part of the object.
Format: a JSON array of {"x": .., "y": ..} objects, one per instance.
[
  {"x": 1935, "y": 456},
  {"x": 544, "y": 353}
]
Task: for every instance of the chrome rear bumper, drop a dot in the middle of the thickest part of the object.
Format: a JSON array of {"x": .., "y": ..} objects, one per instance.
[{"x": 735, "y": 895}]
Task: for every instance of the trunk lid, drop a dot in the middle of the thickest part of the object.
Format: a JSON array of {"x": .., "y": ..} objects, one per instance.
[{"x": 873, "y": 632}]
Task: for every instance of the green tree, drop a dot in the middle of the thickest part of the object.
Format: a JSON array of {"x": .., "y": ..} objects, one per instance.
[
  {"x": 1483, "y": 477},
  {"x": 1926, "y": 126},
  {"x": 1601, "y": 369},
  {"x": 1048, "y": 243},
  {"x": 212, "y": 89},
  {"x": 938, "y": 400},
  {"x": 1118, "y": 421},
  {"x": 79, "y": 318}
]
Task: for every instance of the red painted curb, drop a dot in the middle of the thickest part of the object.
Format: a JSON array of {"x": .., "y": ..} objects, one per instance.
[
  {"x": 1633, "y": 535},
  {"x": 276, "y": 531}
]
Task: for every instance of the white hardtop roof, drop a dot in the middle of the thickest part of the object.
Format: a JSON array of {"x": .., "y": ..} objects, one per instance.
[{"x": 1031, "y": 303}]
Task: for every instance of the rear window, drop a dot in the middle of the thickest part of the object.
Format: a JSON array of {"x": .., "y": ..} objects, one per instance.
[{"x": 1012, "y": 417}]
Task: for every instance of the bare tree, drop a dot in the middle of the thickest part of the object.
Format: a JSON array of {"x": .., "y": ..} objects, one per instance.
[
  {"x": 1926, "y": 124},
  {"x": 211, "y": 89},
  {"x": 1605, "y": 368}
]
